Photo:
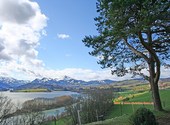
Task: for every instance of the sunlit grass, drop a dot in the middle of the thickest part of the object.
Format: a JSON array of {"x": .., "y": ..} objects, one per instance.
[{"x": 33, "y": 90}]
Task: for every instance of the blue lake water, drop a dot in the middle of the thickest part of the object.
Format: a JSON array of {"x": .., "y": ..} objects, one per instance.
[{"x": 54, "y": 112}]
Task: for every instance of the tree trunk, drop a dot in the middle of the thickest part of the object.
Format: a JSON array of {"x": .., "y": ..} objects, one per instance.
[
  {"x": 154, "y": 87},
  {"x": 156, "y": 97}
]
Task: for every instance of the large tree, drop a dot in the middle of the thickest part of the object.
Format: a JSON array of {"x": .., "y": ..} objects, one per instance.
[{"x": 133, "y": 37}]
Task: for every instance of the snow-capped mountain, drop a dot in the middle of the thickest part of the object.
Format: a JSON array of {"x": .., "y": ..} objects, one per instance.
[
  {"x": 62, "y": 83},
  {"x": 48, "y": 83},
  {"x": 68, "y": 81},
  {"x": 65, "y": 83},
  {"x": 8, "y": 83},
  {"x": 66, "y": 78}
]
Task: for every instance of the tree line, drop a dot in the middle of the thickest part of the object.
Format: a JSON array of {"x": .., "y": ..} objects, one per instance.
[{"x": 92, "y": 106}]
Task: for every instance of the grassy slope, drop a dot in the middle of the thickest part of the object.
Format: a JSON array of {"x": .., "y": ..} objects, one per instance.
[
  {"x": 147, "y": 97},
  {"x": 119, "y": 110},
  {"x": 114, "y": 115},
  {"x": 119, "y": 115},
  {"x": 122, "y": 120}
]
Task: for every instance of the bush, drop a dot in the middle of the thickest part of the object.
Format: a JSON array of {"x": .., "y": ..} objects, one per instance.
[{"x": 143, "y": 116}]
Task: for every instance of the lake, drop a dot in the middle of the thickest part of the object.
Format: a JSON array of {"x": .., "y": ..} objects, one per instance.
[{"x": 19, "y": 97}]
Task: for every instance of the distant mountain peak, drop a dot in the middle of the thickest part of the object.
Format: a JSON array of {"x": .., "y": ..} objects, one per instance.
[
  {"x": 66, "y": 78},
  {"x": 10, "y": 79},
  {"x": 46, "y": 79},
  {"x": 9, "y": 82}
]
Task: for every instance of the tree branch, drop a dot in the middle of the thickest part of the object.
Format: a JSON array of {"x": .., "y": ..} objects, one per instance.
[
  {"x": 135, "y": 51},
  {"x": 156, "y": 59}
]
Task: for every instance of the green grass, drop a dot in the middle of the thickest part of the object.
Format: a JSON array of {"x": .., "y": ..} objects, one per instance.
[
  {"x": 165, "y": 98},
  {"x": 122, "y": 120},
  {"x": 127, "y": 110},
  {"x": 138, "y": 88},
  {"x": 62, "y": 121},
  {"x": 119, "y": 110},
  {"x": 146, "y": 97},
  {"x": 119, "y": 114},
  {"x": 33, "y": 90},
  {"x": 126, "y": 93}
]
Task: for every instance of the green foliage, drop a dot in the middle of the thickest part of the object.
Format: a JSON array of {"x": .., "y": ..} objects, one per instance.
[
  {"x": 133, "y": 36},
  {"x": 143, "y": 116},
  {"x": 125, "y": 28}
]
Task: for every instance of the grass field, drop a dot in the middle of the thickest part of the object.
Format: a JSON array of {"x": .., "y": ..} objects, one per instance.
[
  {"x": 121, "y": 120},
  {"x": 119, "y": 114},
  {"x": 126, "y": 109},
  {"x": 146, "y": 97}
]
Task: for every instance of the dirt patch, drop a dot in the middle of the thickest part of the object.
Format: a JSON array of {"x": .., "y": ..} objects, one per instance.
[{"x": 164, "y": 120}]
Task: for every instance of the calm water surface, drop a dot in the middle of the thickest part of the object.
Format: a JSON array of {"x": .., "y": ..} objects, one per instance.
[{"x": 20, "y": 97}]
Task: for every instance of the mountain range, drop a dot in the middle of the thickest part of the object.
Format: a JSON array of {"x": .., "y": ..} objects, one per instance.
[
  {"x": 11, "y": 83},
  {"x": 48, "y": 83},
  {"x": 66, "y": 83}
]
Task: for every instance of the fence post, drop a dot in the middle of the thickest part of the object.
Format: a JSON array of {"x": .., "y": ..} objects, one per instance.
[
  {"x": 79, "y": 120},
  {"x": 133, "y": 108},
  {"x": 97, "y": 116},
  {"x": 55, "y": 122},
  {"x": 121, "y": 108}
]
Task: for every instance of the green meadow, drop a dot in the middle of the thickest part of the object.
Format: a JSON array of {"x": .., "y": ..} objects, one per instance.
[{"x": 119, "y": 114}]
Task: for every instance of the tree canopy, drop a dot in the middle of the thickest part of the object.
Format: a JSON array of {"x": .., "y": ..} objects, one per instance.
[{"x": 133, "y": 37}]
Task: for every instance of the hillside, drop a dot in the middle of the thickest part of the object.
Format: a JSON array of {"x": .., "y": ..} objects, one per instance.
[{"x": 68, "y": 83}]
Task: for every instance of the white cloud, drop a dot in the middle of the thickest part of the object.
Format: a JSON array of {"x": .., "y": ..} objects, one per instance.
[
  {"x": 17, "y": 11},
  {"x": 165, "y": 72},
  {"x": 88, "y": 74},
  {"x": 63, "y": 36},
  {"x": 21, "y": 25},
  {"x": 24, "y": 71}
]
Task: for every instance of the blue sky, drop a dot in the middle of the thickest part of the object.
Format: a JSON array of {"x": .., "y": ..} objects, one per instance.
[
  {"x": 75, "y": 19},
  {"x": 43, "y": 38}
]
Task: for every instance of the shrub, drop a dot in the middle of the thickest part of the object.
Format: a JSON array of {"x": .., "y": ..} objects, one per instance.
[{"x": 143, "y": 116}]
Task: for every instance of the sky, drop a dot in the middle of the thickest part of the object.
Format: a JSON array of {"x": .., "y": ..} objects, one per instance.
[{"x": 43, "y": 38}]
